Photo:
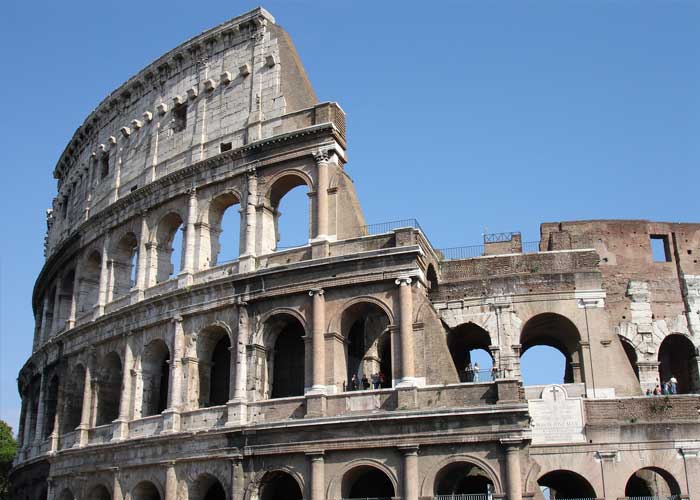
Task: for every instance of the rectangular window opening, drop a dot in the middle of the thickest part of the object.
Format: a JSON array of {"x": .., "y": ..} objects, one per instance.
[
  {"x": 660, "y": 250},
  {"x": 180, "y": 118},
  {"x": 225, "y": 146},
  {"x": 104, "y": 167}
]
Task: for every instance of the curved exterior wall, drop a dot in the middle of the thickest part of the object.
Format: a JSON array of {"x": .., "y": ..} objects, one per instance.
[{"x": 144, "y": 383}]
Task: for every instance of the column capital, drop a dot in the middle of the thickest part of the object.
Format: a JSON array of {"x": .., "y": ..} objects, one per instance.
[
  {"x": 403, "y": 281},
  {"x": 315, "y": 455},
  {"x": 316, "y": 291},
  {"x": 191, "y": 192},
  {"x": 176, "y": 319},
  {"x": 512, "y": 444},
  {"x": 409, "y": 449},
  {"x": 252, "y": 170},
  {"x": 321, "y": 155}
]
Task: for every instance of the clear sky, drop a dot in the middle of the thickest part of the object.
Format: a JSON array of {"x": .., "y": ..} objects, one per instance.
[{"x": 466, "y": 115}]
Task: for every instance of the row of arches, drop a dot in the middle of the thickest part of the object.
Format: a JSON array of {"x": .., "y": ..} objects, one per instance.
[
  {"x": 367, "y": 481},
  {"x": 106, "y": 273}
]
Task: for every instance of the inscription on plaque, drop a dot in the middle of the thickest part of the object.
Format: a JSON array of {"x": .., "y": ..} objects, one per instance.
[{"x": 556, "y": 418}]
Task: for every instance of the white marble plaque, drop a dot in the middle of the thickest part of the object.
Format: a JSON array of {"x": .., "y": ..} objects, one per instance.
[{"x": 556, "y": 418}]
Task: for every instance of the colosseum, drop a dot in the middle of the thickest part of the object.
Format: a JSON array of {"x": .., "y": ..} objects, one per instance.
[{"x": 337, "y": 369}]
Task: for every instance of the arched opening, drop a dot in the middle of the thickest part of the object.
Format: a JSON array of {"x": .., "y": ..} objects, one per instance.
[
  {"x": 677, "y": 360},
  {"x": 366, "y": 481},
  {"x": 285, "y": 356},
  {"x": 33, "y": 408},
  {"x": 543, "y": 366},
  {"x": 124, "y": 256},
  {"x": 156, "y": 376},
  {"x": 469, "y": 347},
  {"x": 66, "y": 494},
  {"x": 90, "y": 282},
  {"x": 99, "y": 493},
  {"x": 432, "y": 278},
  {"x": 560, "y": 484},
  {"x": 214, "y": 347},
  {"x": 278, "y": 485},
  {"x": 287, "y": 223},
  {"x": 145, "y": 491},
  {"x": 51, "y": 406},
  {"x": 207, "y": 487},
  {"x": 65, "y": 298},
  {"x": 631, "y": 354},
  {"x": 463, "y": 478},
  {"x": 51, "y": 310},
  {"x": 169, "y": 247},
  {"x": 109, "y": 389},
  {"x": 224, "y": 229},
  {"x": 365, "y": 328},
  {"x": 652, "y": 482},
  {"x": 73, "y": 397}
]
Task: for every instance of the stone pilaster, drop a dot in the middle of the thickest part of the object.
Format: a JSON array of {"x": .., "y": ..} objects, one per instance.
[
  {"x": 170, "y": 482},
  {"x": 39, "y": 428},
  {"x": 317, "y": 469},
  {"x": 87, "y": 405},
  {"x": 514, "y": 487},
  {"x": 410, "y": 472},
  {"x": 406, "y": 332},
  {"x": 142, "y": 262},
  {"x": 321, "y": 158},
  {"x": 247, "y": 258},
  {"x": 120, "y": 429},
  {"x": 104, "y": 278},
  {"x": 185, "y": 278},
  {"x": 318, "y": 383},
  {"x": 237, "y": 413},
  {"x": 171, "y": 416}
]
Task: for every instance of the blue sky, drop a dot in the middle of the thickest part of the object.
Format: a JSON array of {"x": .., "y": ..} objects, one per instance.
[{"x": 466, "y": 115}]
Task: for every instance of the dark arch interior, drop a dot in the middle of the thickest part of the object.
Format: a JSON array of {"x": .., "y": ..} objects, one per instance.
[
  {"x": 462, "y": 341},
  {"x": 631, "y": 354},
  {"x": 99, "y": 493},
  {"x": 432, "y": 278},
  {"x": 462, "y": 479},
  {"x": 553, "y": 330},
  {"x": 66, "y": 495},
  {"x": 288, "y": 358},
  {"x": 676, "y": 358},
  {"x": 73, "y": 399},
  {"x": 652, "y": 482},
  {"x": 109, "y": 389},
  {"x": 220, "y": 372},
  {"x": 156, "y": 377},
  {"x": 279, "y": 485},
  {"x": 51, "y": 406},
  {"x": 145, "y": 491},
  {"x": 364, "y": 327},
  {"x": 366, "y": 482},
  {"x": 566, "y": 484}
]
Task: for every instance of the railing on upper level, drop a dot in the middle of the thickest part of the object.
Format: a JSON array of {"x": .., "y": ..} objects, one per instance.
[
  {"x": 499, "y": 237},
  {"x": 465, "y": 496},
  {"x": 472, "y": 251},
  {"x": 386, "y": 227},
  {"x": 670, "y": 497}
]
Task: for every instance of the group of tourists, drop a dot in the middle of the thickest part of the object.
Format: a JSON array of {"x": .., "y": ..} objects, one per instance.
[
  {"x": 472, "y": 371},
  {"x": 668, "y": 387},
  {"x": 376, "y": 381}
]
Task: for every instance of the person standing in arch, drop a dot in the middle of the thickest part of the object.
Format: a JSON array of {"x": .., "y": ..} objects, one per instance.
[
  {"x": 476, "y": 371},
  {"x": 470, "y": 372}
]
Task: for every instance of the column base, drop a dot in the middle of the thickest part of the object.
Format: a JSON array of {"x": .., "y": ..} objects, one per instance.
[
  {"x": 53, "y": 442},
  {"x": 171, "y": 421},
  {"x": 120, "y": 430},
  {"x": 98, "y": 311},
  {"x": 236, "y": 413},
  {"x": 246, "y": 263},
  {"x": 185, "y": 279},
  {"x": 320, "y": 247},
  {"x": 82, "y": 436},
  {"x": 315, "y": 404},
  {"x": 406, "y": 382},
  {"x": 407, "y": 398}
]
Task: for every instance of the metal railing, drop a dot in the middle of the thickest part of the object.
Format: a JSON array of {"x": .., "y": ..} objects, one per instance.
[
  {"x": 472, "y": 251},
  {"x": 671, "y": 497},
  {"x": 387, "y": 227},
  {"x": 368, "y": 498},
  {"x": 499, "y": 237},
  {"x": 465, "y": 496},
  {"x": 531, "y": 246}
]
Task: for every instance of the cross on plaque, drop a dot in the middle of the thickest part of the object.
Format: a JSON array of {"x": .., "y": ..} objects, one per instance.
[{"x": 555, "y": 392}]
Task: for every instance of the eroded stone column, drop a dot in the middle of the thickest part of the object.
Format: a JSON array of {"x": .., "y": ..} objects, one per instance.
[
  {"x": 55, "y": 432},
  {"x": 104, "y": 278},
  {"x": 87, "y": 407},
  {"x": 39, "y": 428},
  {"x": 237, "y": 407},
  {"x": 247, "y": 258},
  {"x": 142, "y": 262},
  {"x": 410, "y": 472},
  {"x": 26, "y": 440},
  {"x": 170, "y": 482},
  {"x": 70, "y": 323},
  {"x": 406, "y": 332},
  {"x": 190, "y": 237},
  {"x": 56, "y": 318},
  {"x": 513, "y": 475},
  {"x": 317, "y": 475},
  {"x": 171, "y": 416},
  {"x": 45, "y": 327},
  {"x": 121, "y": 425},
  {"x": 116, "y": 485},
  {"x": 321, "y": 157},
  {"x": 318, "y": 373}
]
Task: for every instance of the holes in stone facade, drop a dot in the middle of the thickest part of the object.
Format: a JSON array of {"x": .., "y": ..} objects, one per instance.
[
  {"x": 225, "y": 146},
  {"x": 73, "y": 397},
  {"x": 104, "y": 166},
  {"x": 180, "y": 118},
  {"x": 282, "y": 356}
]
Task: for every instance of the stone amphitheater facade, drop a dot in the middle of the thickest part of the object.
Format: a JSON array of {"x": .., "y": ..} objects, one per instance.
[{"x": 228, "y": 380}]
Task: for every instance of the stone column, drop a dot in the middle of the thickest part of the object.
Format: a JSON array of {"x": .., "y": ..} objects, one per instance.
[
  {"x": 142, "y": 262},
  {"x": 237, "y": 477},
  {"x": 121, "y": 425},
  {"x": 55, "y": 320},
  {"x": 406, "y": 332},
  {"x": 45, "y": 327},
  {"x": 188, "y": 267},
  {"x": 410, "y": 472},
  {"x": 27, "y": 430},
  {"x": 104, "y": 278},
  {"x": 170, "y": 482},
  {"x": 513, "y": 476},
  {"x": 39, "y": 428},
  {"x": 171, "y": 416},
  {"x": 318, "y": 373},
  {"x": 317, "y": 475},
  {"x": 56, "y": 431},
  {"x": 247, "y": 258},
  {"x": 237, "y": 410},
  {"x": 74, "y": 299},
  {"x": 321, "y": 158},
  {"x": 87, "y": 407},
  {"x": 116, "y": 485}
]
